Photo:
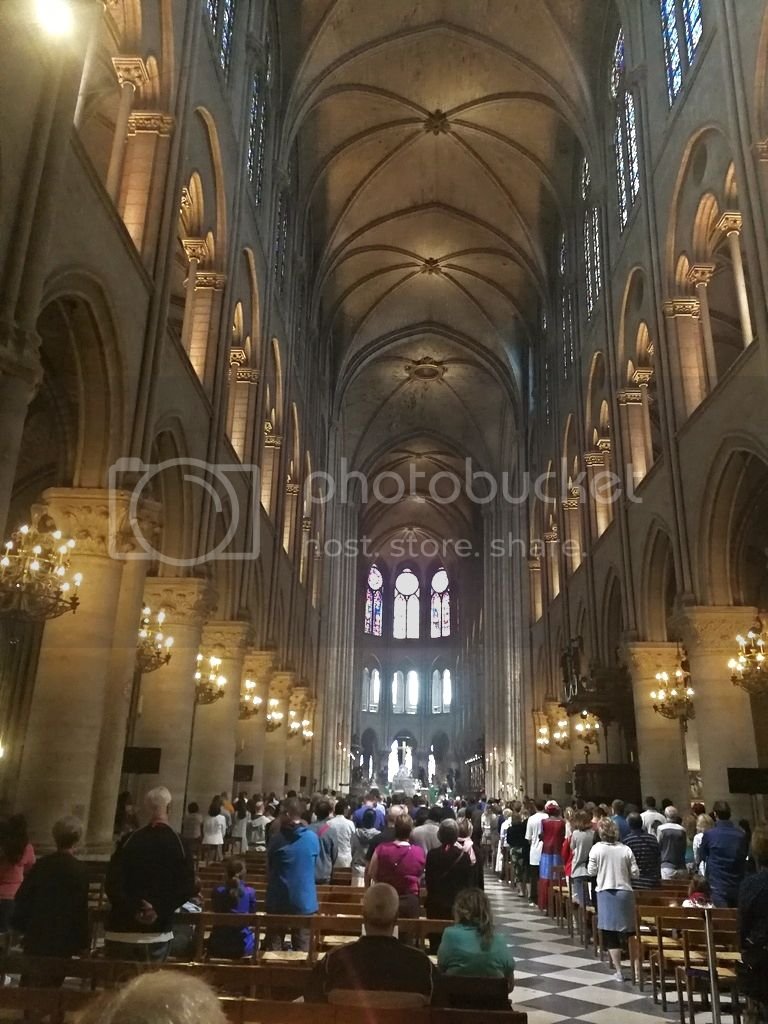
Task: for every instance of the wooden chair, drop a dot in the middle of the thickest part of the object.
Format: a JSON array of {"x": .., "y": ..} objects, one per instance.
[
  {"x": 465, "y": 993},
  {"x": 720, "y": 933}
]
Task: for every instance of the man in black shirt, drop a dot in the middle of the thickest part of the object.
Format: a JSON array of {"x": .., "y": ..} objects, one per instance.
[
  {"x": 378, "y": 962},
  {"x": 149, "y": 877}
]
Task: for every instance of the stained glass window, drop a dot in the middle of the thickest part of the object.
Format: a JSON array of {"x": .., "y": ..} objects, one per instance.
[
  {"x": 257, "y": 137},
  {"x": 547, "y": 393},
  {"x": 563, "y": 260},
  {"x": 591, "y": 238},
  {"x": 398, "y": 693},
  {"x": 277, "y": 245},
  {"x": 221, "y": 14},
  {"x": 681, "y": 29},
  {"x": 405, "y": 625},
  {"x": 447, "y": 691},
  {"x": 625, "y": 135},
  {"x": 412, "y": 692},
  {"x": 375, "y": 691},
  {"x": 440, "y": 605},
  {"x": 374, "y": 602},
  {"x": 366, "y": 699}
]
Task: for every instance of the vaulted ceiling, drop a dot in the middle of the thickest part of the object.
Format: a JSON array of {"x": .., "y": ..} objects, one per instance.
[{"x": 437, "y": 141}]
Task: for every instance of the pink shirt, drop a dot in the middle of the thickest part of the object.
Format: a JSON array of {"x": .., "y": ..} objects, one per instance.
[
  {"x": 401, "y": 866},
  {"x": 12, "y": 875}
]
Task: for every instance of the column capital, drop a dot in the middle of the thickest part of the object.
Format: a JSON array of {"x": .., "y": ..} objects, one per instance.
[
  {"x": 258, "y": 665},
  {"x": 683, "y": 305},
  {"x": 644, "y": 659},
  {"x": 210, "y": 279},
  {"x": 150, "y": 121},
  {"x": 130, "y": 71},
  {"x": 701, "y": 273},
  {"x": 642, "y": 376},
  {"x": 298, "y": 698},
  {"x": 594, "y": 459},
  {"x": 730, "y": 222},
  {"x": 101, "y": 522},
  {"x": 187, "y": 601},
  {"x": 761, "y": 148},
  {"x": 226, "y": 639},
  {"x": 629, "y": 396},
  {"x": 271, "y": 440},
  {"x": 195, "y": 248},
  {"x": 281, "y": 684},
  {"x": 712, "y": 627}
]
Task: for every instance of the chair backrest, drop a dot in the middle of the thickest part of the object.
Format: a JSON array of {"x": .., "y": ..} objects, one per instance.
[
  {"x": 460, "y": 992},
  {"x": 377, "y": 1000}
]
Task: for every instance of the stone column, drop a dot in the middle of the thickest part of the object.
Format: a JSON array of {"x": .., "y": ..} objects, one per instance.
[
  {"x": 119, "y": 686},
  {"x": 214, "y": 738},
  {"x": 251, "y": 734},
  {"x": 600, "y": 513},
  {"x": 59, "y": 762},
  {"x": 295, "y": 749},
  {"x": 730, "y": 225},
  {"x": 280, "y": 687},
  {"x": 167, "y": 701},
  {"x": 687, "y": 365},
  {"x": 633, "y": 417},
  {"x": 663, "y": 765},
  {"x": 19, "y": 377},
  {"x": 723, "y": 713},
  {"x": 144, "y": 166},
  {"x": 132, "y": 75},
  {"x": 700, "y": 275},
  {"x": 196, "y": 250}
]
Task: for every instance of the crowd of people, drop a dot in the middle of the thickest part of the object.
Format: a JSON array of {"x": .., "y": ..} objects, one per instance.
[{"x": 396, "y": 849}]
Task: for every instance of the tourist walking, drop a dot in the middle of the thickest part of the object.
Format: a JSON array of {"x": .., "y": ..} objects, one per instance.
[{"x": 614, "y": 866}]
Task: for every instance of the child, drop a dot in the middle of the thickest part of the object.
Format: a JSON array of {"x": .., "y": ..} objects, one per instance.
[
  {"x": 699, "y": 894},
  {"x": 232, "y": 898}
]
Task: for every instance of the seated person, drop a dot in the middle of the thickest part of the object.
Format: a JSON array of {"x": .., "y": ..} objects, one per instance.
[
  {"x": 162, "y": 997},
  {"x": 232, "y": 898},
  {"x": 753, "y": 925},
  {"x": 471, "y": 947},
  {"x": 377, "y": 963}
]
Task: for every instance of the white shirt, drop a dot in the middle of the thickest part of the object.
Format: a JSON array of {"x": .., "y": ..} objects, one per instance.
[
  {"x": 614, "y": 865},
  {"x": 214, "y": 830},
  {"x": 240, "y": 826},
  {"x": 342, "y": 829},
  {"x": 651, "y": 820},
  {"x": 533, "y": 835}
]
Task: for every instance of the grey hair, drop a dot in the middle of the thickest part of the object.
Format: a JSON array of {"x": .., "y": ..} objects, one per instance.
[
  {"x": 162, "y": 997},
  {"x": 67, "y": 832},
  {"x": 158, "y": 799}
]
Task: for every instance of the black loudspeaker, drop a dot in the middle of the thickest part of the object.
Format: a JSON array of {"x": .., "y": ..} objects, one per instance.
[
  {"x": 141, "y": 760},
  {"x": 243, "y": 773},
  {"x": 753, "y": 781},
  {"x": 546, "y": 789}
]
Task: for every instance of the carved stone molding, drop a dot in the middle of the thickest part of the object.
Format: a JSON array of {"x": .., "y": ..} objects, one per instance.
[
  {"x": 298, "y": 699},
  {"x": 226, "y": 639},
  {"x": 245, "y": 375},
  {"x": 437, "y": 123},
  {"x": 712, "y": 628},
  {"x": 195, "y": 248},
  {"x": 99, "y": 520},
  {"x": 130, "y": 71},
  {"x": 238, "y": 357},
  {"x": 258, "y": 665},
  {"x": 534, "y": 564},
  {"x": 761, "y": 148},
  {"x": 210, "y": 279},
  {"x": 682, "y": 306},
  {"x": 630, "y": 396},
  {"x": 292, "y": 489},
  {"x": 730, "y": 222},
  {"x": 642, "y": 376},
  {"x": 644, "y": 660},
  {"x": 594, "y": 460},
  {"x": 186, "y": 601},
  {"x": 273, "y": 441},
  {"x": 281, "y": 684},
  {"x": 701, "y": 273},
  {"x": 153, "y": 121},
  {"x": 306, "y": 524}
]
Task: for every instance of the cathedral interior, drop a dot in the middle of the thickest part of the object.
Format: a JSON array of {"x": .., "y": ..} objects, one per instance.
[{"x": 402, "y": 363}]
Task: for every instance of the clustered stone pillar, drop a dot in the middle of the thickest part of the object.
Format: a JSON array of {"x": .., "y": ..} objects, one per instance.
[
  {"x": 280, "y": 687},
  {"x": 251, "y": 733},
  {"x": 295, "y": 748},
  {"x": 60, "y": 758},
  {"x": 167, "y": 703},
  {"x": 663, "y": 765},
  {"x": 132, "y": 75},
  {"x": 723, "y": 712},
  {"x": 212, "y": 761},
  {"x": 730, "y": 224}
]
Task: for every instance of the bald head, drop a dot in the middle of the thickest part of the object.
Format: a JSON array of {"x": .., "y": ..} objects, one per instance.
[{"x": 380, "y": 906}]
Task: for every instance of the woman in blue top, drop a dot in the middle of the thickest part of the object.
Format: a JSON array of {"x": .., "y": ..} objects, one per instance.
[
  {"x": 471, "y": 946},
  {"x": 232, "y": 898}
]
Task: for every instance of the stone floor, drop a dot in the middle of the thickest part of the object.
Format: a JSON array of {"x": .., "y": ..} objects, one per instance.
[{"x": 557, "y": 981}]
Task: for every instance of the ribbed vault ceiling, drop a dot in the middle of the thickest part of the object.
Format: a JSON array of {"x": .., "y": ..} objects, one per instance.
[{"x": 436, "y": 143}]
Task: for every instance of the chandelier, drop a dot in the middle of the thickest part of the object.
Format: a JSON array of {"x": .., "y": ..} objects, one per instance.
[
  {"x": 250, "y": 703},
  {"x": 35, "y": 579},
  {"x": 153, "y": 649},
  {"x": 588, "y": 729},
  {"x": 306, "y": 732},
  {"x": 561, "y": 735},
  {"x": 294, "y": 724},
  {"x": 749, "y": 668},
  {"x": 674, "y": 697},
  {"x": 209, "y": 683},
  {"x": 274, "y": 716},
  {"x": 542, "y": 740}
]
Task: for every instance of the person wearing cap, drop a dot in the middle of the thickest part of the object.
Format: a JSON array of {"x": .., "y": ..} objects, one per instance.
[{"x": 552, "y": 833}]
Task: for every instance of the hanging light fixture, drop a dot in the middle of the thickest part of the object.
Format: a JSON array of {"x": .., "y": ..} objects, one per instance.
[
  {"x": 35, "y": 576},
  {"x": 542, "y": 740},
  {"x": 250, "y": 703},
  {"x": 294, "y": 724},
  {"x": 274, "y": 715},
  {"x": 588, "y": 729},
  {"x": 209, "y": 683},
  {"x": 561, "y": 735},
  {"x": 306, "y": 731},
  {"x": 674, "y": 697},
  {"x": 153, "y": 649},
  {"x": 749, "y": 669}
]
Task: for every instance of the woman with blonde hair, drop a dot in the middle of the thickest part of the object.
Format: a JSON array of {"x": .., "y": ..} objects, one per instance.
[
  {"x": 162, "y": 997},
  {"x": 472, "y": 946}
]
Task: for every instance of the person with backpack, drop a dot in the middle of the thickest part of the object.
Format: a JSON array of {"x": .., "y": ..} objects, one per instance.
[{"x": 328, "y": 845}]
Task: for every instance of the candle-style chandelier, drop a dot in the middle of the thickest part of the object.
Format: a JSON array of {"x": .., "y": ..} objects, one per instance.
[
  {"x": 561, "y": 734},
  {"x": 295, "y": 724},
  {"x": 749, "y": 669},
  {"x": 209, "y": 683},
  {"x": 306, "y": 732},
  {"x": 542, "y": 739},
  {"x": 587, "y": 729},
  {"x": 274, "y": 714},
  {"x": 153, "y": 647},
  {"x": 35, "y": 575},
  {"x": 250, "y": 702},
  {"x": 674, "y": 697}
]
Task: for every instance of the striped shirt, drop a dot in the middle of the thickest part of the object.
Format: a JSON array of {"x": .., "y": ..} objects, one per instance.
[{"x": 648, "y": 856}]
